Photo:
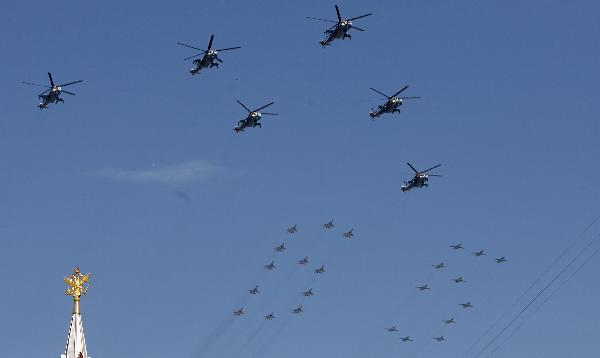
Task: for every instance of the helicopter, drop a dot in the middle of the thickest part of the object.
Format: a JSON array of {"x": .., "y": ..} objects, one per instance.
[
  {"x": 340, "y": 29},
  {"x": 253, "y": 118},
  {"x": 53, "y": 92},
  {"x": 209, "y": 57},
  {"x": 420, "y": 179},
  {"x": 391, "y": 106}
]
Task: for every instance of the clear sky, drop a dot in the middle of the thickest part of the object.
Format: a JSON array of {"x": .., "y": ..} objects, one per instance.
[{"x": 140, "y": 179}]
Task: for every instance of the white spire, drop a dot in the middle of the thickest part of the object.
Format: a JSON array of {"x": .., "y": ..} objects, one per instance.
[
  {"x": 76, "y": 340},
  {"x": 77, "y": 286}
]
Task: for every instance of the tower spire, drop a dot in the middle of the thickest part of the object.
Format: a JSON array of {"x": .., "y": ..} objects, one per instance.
[{"x": 77, "y": 286}]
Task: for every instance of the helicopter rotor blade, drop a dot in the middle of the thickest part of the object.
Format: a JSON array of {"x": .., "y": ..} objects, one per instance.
[
  {"x": 411, "y": 167},
  {"x": 381, "y": 93},
  {"x": 241, "y": 104},
  {"x": 397, "y": 93},
  {"x": 434, "y": 175},
  {"x": 356, "y": 28},
  {"x": 229, "y": 48},
  {"x": 263, "y": 107},
  {"x": 409, "y": 97},
  {"x": 195, "y": 48},
  {"x": 270, "y": 114},
  {"x": 218, "y": 59},
  {"x": 425, "y": 171},
  {"x": 46, "y": 91},
  {"x": 210, "y": 42},
  {"x": 360, "y": 17},
  {"x": 51, "y": 81},
  {"x": 67, "y": 92},
  {"x": 70, "y": 83},
  {"x": 315, "y": 18},
  {"x": 337, "y": 10},
  {"x": 34, "y": 84},
  {"x": 187, "y": 58}
]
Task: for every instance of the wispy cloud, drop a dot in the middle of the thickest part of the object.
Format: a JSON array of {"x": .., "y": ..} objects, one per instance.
[{"x": 196, "y": 170}]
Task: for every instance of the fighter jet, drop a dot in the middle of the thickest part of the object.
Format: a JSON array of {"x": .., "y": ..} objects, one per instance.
[
  {"x": 348, "y": 234},
  {"x": 270, "y": 316},
  {"x": 292, "y": 230},
  {"x": 308, "y": 293},
  {"x": 449, "y": 321},
  {"x": 479, "y": 253},
  {"x": 424, "y": 287},
  {"x": 392, "y": 329},
  {"x": 439, "y": 266},
  {"x": 406, "y": 339},
  {"x": 440, "y": 338},
  {"x": 297, "y": 309},
  {"x": 280, "y": 248},
  {"x": 328, "y": 225},
  {"x": 501, "y": 260},
  {"x": 239, "y": 312},
  {"x": 457, "y": 247},
  {"x": 304, "y": 261},
  {"x": 254, "y": 291},
  {"x": 466, "y": 305},
  {"x": 270, "y": 266},
  {"x": 320, "y": 269},
  {"x": 459, "y": 280}
]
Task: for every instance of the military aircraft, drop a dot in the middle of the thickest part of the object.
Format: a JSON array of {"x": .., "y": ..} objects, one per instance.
[
  {"x": 391, "y": 106},
  {"x": 52, "y": 93},
  {"x": 239, "y": 312},
  {"x": 449, "y": 321},
  {"x": 270, "y": 316},
  {"x": 280, "y": 248},
  {"x": 292, "y": 230},
  {"x": 459, "y": 280},
  {"x": 340, "y": 28},
  {"x": 270, "y": 266},
  {"x": 501, "y": 260},
  {"x": 254, "y": 291},
  {"x": 392, "y": 329},
  {"x": 420, "y": 179},
  {"x": 348, "y": 234},
  {"x": 406, "y": 339},
  {"x": 424, "y": 287},
  {"x": 209, "y": 56},
  {"x": 457, "y": 247},
  {"x": 253, "y": 118},
  {"x": 440, "y": 338},
  {"x": 304, "y": 261},
  {"x": 328, "y": 225},
  {"x": 479, "y": 253},
  {"x": 320, "y": 269},
  {"x": 466, "y": 305},
  {"x": 439, "y": 266},
  {"x": 308, "y": 293},
  {"x": 298, "y": 309}
]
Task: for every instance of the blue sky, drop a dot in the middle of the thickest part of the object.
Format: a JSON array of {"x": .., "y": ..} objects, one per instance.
[{"x": 140, "y": 179}]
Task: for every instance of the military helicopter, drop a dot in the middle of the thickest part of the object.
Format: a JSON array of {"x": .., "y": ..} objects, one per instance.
[
  {"x": 340, "y": 29},
  {"x": 270, "y": 316},
  {"x": 420, "y": 179},
  {"x": 392, "y": 104},
  {"x": 209, "y": 57},
  {"x": 52, "y": 94},
  {"x": 253, "y": 120}
]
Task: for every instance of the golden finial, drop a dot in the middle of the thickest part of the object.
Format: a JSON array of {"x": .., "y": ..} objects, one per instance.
[{"x": 78, "y": 285}]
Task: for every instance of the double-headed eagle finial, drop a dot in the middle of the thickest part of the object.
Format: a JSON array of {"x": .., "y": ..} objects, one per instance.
[{"x": 77, "y": 286}]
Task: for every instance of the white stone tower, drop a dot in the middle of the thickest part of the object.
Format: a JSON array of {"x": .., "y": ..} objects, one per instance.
[{"x": 78, "y": 285}]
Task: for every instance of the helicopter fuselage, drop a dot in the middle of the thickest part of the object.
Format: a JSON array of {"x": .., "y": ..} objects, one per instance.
[
  {"x": 418, "y": 181},
  {"x": 53, "y": 96},
  {"x": 391, "y": 106},
  {"x": 338, "y": 32},
  {"x": 253, "y": 120},
  {"x": 207, "y": 61}
]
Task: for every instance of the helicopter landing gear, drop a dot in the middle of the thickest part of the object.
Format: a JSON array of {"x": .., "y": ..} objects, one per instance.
[
  {"x": 214, "y": 64},
  {"x": 346, "y": 35},
  {"x": 396, "y": 111},
  {"x": 60, "y": 100}
]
